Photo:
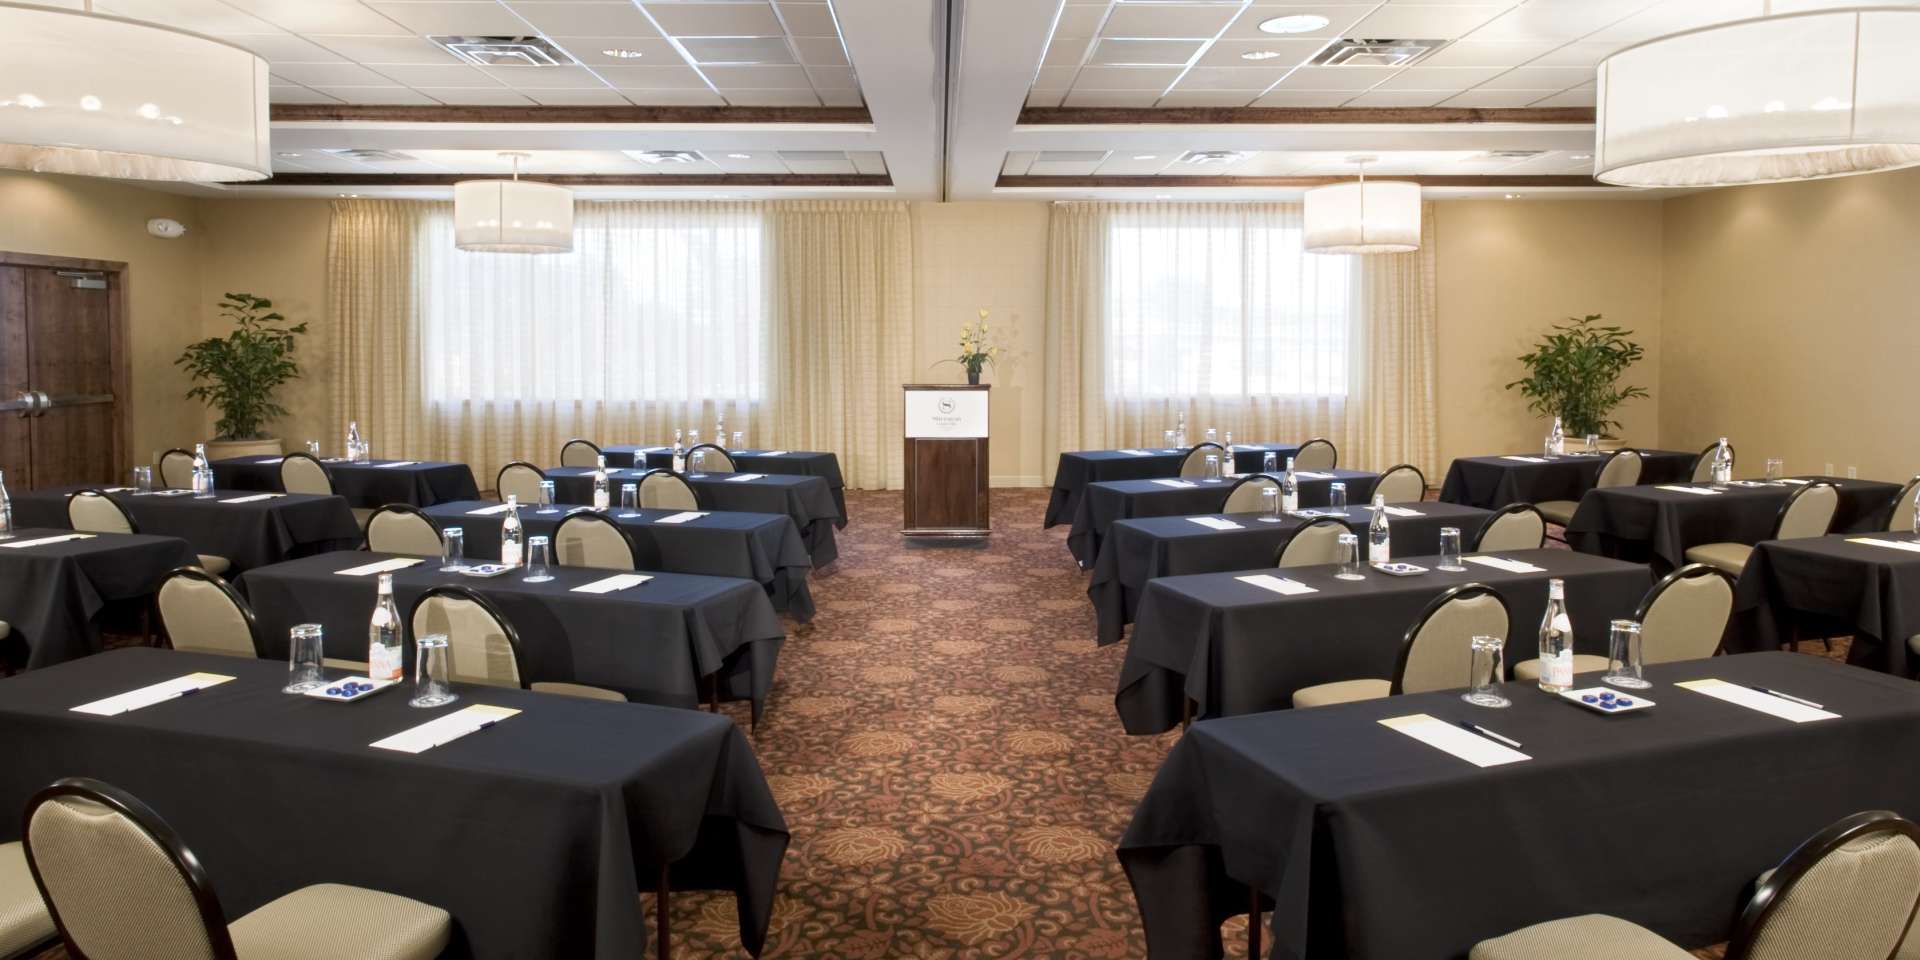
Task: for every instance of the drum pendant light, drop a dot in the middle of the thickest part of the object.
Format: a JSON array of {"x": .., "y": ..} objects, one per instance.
[
  {"x": 1361, "y": 217},
  {"x": 512, "y": 216}
]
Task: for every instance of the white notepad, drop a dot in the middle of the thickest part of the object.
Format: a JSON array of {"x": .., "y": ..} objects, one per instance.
[
  {"x": 1248, "y": 446},
  {"x": 682, "y": 517},
  {"x": 398, "y": 463},
  {"x": 62, "y": 538},
  {"x": 1278, "y": 585},
  {"x": 1454, "y": 739},
  {"x": 271, "y": 460},
  {"x": 489, "y": 511},
  {"x": 650, "y": 449},
  {"x": 1310, "y": 475},
  {"x": 1502, "y": 563},
  {"x": 379, "y": 566},
  {"x": 445, "y": 730},
  {"x": 1403, "y": 512},
  {"x": 1178, "y": 484},
  {"x": 610, "y": 584},
  {"x": 1215, "y": 523},
  {"x": 772, "y": 453},
  {"x": 1136, "y": 453},
  {"x": 1797, "y": 483},
  {"x": 1521, "y": 459},
  {"x": 255, "y": 498},
  {"x": 744, "y": 477},
  {"x": 1755, "y": 700},
  {"x": 1702, "y": 491},
  {"x": 1907, "y": 545},
  {"x": 149, "y": 695}
]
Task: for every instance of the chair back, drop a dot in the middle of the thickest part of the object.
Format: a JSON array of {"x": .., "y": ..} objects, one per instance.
[
  {"x": 1516, "y": 526},
  {"x": 402, "y": 528},
  {"x": 579, "y": 453},
  {"x": 1246, "y": 496},
  {"x": 1808, "y": 512},
  {"x": 1194, "y": 464},
  {"x": 1900, "y": 518},
  {"x": 1437, "y": 653},
  {"x": 301, "y": 473},
  {"x": 176, "y": 469},
  {"x": 90, "y": 511},
  {"x": 1703, "y": 464},
  {"x": 521, "y": 479},
  {"x": 1621, "y": 470},
  {"x": 119, "y": 883},
  {"x": 1315, "y": 544},
  {"x": 1849, "y": 893},
  {"x": 203, "y": 614},
  {"x": 718, "y": 460},
  {"x": 1316, "y": 454},
  {"x": 591, "y": 540},
  {"x": 482, "y": 647},
  {"x": 666, "y": 490},
  {"x": 1685, "y": 615},
  {"x": 1402, "y": 483}
]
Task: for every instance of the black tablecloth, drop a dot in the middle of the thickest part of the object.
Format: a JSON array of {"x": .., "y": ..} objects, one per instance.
[
  {"x": 802, "y": 463},
  {"x": 808, "y": 500},
  {"x": 1104, "y": 502},
  {"x": 654, "y": 642},
  {"x": 50, "y": 593},
  {"x": 1075, "y": 470},
  {"x": 763, "y": 547},
  {"x": 1647, "y": 523},
  {"x": 537, "y": 834},
  {"x": 1834, "y": 587},
  {"x": 1494, "y": 482},
  {"x": 1234, "y": 648},
  {"x": 1375, "y": 846},
  {"x": 1136, "y": 551},
  {"x": 247, "y": 534},
  {"x": 419, "y": 483}
]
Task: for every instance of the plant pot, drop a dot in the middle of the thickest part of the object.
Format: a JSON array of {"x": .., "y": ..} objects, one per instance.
[
  {"x": 228, "y": 449},
  {"x": 973, "y": 377}
]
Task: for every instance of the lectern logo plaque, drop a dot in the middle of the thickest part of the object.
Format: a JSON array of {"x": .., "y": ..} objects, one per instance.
[{"x": 946, "y": 405}]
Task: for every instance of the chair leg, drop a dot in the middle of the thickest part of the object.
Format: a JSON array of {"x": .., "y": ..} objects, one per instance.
[
  {"x": 663, "y": 925},
  {"x": 1186, "y": 712},
  {"x": 1253, "y": 923},
  {"x": 713, "y": 693}
]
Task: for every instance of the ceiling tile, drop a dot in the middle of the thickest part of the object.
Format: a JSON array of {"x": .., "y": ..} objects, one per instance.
[
  {"x": 377, "y": 95},
  {"x": 832, "y": 78},
  {"x": 656, "y": 77},
  {"x": 1336, "y": 78},
  {"x": 1487, "y": 53},
  {"x": 1111, "y": 98},
  {"x": 841, "y": 98},
  {"x": 589, "y": 50},
  {"x": 548, "y": 78},
  {"x": 1496, "y": 99},
  {"x": 809, "y": 19},
  {"x": 1080, "y": 21},
  {"x": 1583, "y": 53},
  {"x": 1169, "y": 20},
  {"x": 1340, "y": 17},
  {"x": 1557, "y": 21},
  {"x": 1304, "y": 98},
  {"x": 1439, "y": 78},
  {"x": 198, "y": 16},
  {"x": 1578, "y": 97},
  {"x": 322, "y": 16},
  {"x": 758, "y": 78},
  {"x": 1540, "y": 78},
  {"x": 1045, "y": 98},
  {"x": 290, "y": 93},
  {"x": 492, "y": 96},
  {"x": 1126, "y": 78},
  {"x": 673, "y": 98},
  {"x": 1400, "y": 98},
  {"x": 286, "y": 48},
  {"x": 1436, "y": 21},
  {"x": 1154, "y": 52},
  {"x": 868, "y": 161},
  {"x": 586, "y": 97},
  {"x": 716, "y": 19},
  {"x": 818, "y": 162},
  {"x": 329, "y": 74},
  {"x": 743, "y": 50},
  {"x": 1017, "y": 162},
  {"x": 1067, "y": 51},
  {"x": 1672, "y": 17},
  {"x": 1184, "y": 97},
  {"x": 587, "y": 19},
  {"x": 1127, "y": 163},
  {"x": 825, "y": 51},
  {"x": 442, "y": 17},
  {"x": 1292, "y": 52},
  {"x": 746, "y": 161},
  {"x": 1054, "y": 78},
  {"x": 771, "y": 98},
  {"x": 437, "y": 75},
  {"x": 371, "y": 50},
  {"x": 1231, "y": 78}
]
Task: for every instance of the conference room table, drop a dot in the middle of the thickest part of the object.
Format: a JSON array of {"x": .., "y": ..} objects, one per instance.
[
  {"x": 367, "y": 484},
  {"x": 1074, "y": 470},
  {"x": 763, "y": 547},
  {"x": 805, "y": 463},
  {"x": 1496, "y": 481},
  {"x": 661, "y": 642},
  {"x": 54, "y": 585},
  {"x": 249, "y": 529},
  {"x": 1831, "y": 586},
  {"x": 1233, "y": 647},
  {"x": 807, "y": 499},
  {"x": 1372, "y": 845},
  {"x": 1107, "y": 501},
  {"x": 1658, "y": 523},
  {"x": 538, "y": 834},
  {"x": 1136, "y": 551}
]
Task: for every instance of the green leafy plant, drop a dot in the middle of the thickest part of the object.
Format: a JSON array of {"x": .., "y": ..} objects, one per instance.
[
  {"x": 1573, "y": 373},
  {"x": 238, "y": 373},
  {"x": 975, "y": 351}
]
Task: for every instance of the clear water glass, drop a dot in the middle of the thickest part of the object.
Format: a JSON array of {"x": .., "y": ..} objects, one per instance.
[
  {"x": 629, "y": 500},
  {"x": 1269, "y": 463},
  {"x": 1349, "y": 551},
  {"x": 1593, "y": 443},
  {"x": 1853, "y": 472},
  {"x": 1623, "y": 656},
  {"x": 453, "y": 550},
  {"x": 432, "y": 673},
  {"x": 1828, "y": 472},
  {"x": 1270, "y": 504},
  {"x": 1166, "y": 440},
  {"x": 1337, "y": 496},
  {"x": 739, "y": 440},
  {"x": 698, "y": 465},
  {"x": 1776, "y": 469},
  {"x": 1213, "y": 468},
  {"x": 1213, "y": 436},
  {"x": 1486, "y": 678},
  {"x": 143, "y": 479},
  {"x": 546, "y": 498},
  {"x": 538, "y": 550},
  {"x": 313, "y": 449},
  {"x": 1450, "y": 550},
  {"x": 306, "y": 662}
]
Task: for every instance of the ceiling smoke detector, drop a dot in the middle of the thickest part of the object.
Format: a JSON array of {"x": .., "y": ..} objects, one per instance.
[
  {"x": 1205, "y": 157},
  {"x": 505, "y": 51},
  {"x": 1349, "y": 52},
  {"x": 364, "y": 155}
]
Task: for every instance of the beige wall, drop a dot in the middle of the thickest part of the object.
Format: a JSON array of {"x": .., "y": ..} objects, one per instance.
[{"x": 1793, "y": 323}]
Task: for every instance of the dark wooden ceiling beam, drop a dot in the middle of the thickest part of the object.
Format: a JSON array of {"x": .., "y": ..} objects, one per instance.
[
  {"x": 578, "y": 180},
  {"x": 439, "y": 113},
  {"x": 1223, "y": 116},
  {"x": 1153, "y": 182}
]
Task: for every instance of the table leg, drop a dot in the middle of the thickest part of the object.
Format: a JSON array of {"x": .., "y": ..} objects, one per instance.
[
  {"x": 1253, "y": 923},
  {"x": 664, "y": 926}
]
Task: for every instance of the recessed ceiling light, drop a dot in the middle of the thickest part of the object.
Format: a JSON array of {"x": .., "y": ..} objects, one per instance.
[
  {"x": 1294, "y": 23},
  {"x": 622, "y": 53},
  {"x": 739, "y": 156},
  {"x": 351, "y": 196},
  {"x": 1163, "y": 196},
  {"x": 1513, "y": 196},
  {"x": 1146, "y": 156},
  {"x": 1581, "y": 156},
  {"x": 288, "y": 155},
  {"x": 1259, "y": 54}
]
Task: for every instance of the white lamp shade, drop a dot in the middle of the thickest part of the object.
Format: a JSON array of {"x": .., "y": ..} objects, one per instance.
[
  {"x": 512, "y": 216},
  {"x": 1799, "y": 96},
  {"x": 105, "y": 97},
  {"x": 1377, "y": 216}
]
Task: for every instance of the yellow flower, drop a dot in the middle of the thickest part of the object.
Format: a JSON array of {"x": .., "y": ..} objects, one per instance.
[{"x": 983, "y": 313}]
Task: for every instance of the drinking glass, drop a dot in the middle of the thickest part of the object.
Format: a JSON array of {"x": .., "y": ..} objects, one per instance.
[
  {"x": 546, "y": 498},
  {"x": 1828, "y": 472},
  {"x": 1593, "y": 443},
  {"x": 698, "y": 466},
  {"x": 1213, "y": 436},
  {"x": 1776, "y": 468},
  {"x": 1487, "y": 677},
  {"x": 305, "y": 661},
  {"x": 453, "y": 550},
  {"x": 739, "y": 440},
  {"x": 143, "y": 479},
  {"x": 537, "y": 550},
  {"x": 1166, "y": 440},
  {"x": 1623, "y": 656},
  {"x": 1269, "y": 463},
  {"x": 1270, "y": 504},
  {"x": 1853, "y": 472},
  {"x": 629, "y": 500},
  {"x": 1450, "y": 550},
  {"x": 1213, "y": 468},
  {"x": 313, "y": 449},
  {"x": 1337, "y": 496},
  {"x": 1349, "y": 551},
  {"x": 431, "y": 684}
]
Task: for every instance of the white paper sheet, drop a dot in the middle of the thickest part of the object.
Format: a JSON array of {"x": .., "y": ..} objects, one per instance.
[
  {"x": 1177, "y": 484},
  {"x": 1907, "y": 545},
  {"x": 1403, "y": 512},
  {"x": 1454, "y": 739},
  {"x": 255, "y": 498},
  {"x": 682, "y": 517},
  {"x": 271, "y": 460},
  {"x": 1755, "y": 700},
  {"x": 1310, "y": 475},
  {"x": 149, "y": 695},
  {"x": 772, "y": 453},
  {"x": 744, "y": 477},
  {"x": 62, "y": 538},
  {"x": 1797, "y": 483},
  {"x": 444, "y": 730},
  {"x": 488, "y": 511},
  {"x": 1521, "y": 459},
  {"x": 1502, "y": 563},
  {"x": 398, "y": 463},
  {"x": 1215, "y": 523},
  {"x": 650, "y": 449},
  {"x": 610, "y": 584},
  {"x": 1136, "y": 453},
  {"x": 1265, "y": 581},
  {"x": 379, "y": 566},
  {"x": 1701, "y": 491}
]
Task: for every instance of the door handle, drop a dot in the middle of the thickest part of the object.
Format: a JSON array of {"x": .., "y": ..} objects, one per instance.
[{"x": 24, "y": 405}]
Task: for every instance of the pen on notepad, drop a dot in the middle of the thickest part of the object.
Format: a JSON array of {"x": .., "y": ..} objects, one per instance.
[
  {"x": 1788, "y": 696},
  {"x": 1489, "y": 734}
]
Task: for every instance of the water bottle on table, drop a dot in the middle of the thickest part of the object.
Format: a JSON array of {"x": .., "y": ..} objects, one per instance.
[
  {"x": 1379, "y": 539},
  {"x": 385, "y": 659},
  {"x": 1556, "y": 641},
  {"x": 512, "y": 534}
]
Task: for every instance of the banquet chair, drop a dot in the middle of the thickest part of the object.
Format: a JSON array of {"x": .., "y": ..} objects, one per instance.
[
  {"x": 579, "y": 453},
  {"x": 1848, "y": 893},
  {"x": 482, "y": 646},
  {"x": 303, "y": 473},
  {"x": 1900, "y": 518},
  {"x": 589, "y": 539},
  {"x": 718, "y": 460},
  {"x": 402, "y": 528},
  {"x": 1403, "y": 483},
  {"x": 1313, "y": 545},
  {"x": 1622, "y": 469},
  {"x": 90, "y": 511},
  {"x": 1703, "y": 464},
  {"x": 1316, "y": 454},
  {"x": 1246, "y": 496},
  {"x": 520, "y": 479},
  {"x": 203, "y": 614},
  {"x": 1807, "y": 513},
  {"x": 26, "y": 928},
  {"x": 120, "y": 883},
  {"x": 176, "y": 469},
  {"x": 1516, "y": 526},
  {"x": 666, "y": 490},
  {"x": 1194, "y": 464},
  {"x": 1684, "y": 617},
  {"x": 1436, "y": 653}
]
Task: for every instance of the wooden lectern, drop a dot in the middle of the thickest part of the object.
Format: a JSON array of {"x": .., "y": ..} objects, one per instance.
[{"x": 946, "y": 428}]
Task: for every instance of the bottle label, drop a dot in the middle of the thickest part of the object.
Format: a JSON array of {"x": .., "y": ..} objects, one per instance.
[
  {"x": 1378, "y": 552},
  {"x": 1557, "y": 670},
  {"x": 383, "y": 662},
  {"x": 510, "y": 553},
  {"x": 1289, "y": 502},
  {"x": 600, "y": 498}
]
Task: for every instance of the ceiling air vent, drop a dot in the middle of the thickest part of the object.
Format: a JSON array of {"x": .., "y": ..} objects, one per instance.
[
  {"x": 505, "y": 51},
  {"x": 359, "y": 155},
  {"x": 1205, "y": 157},
  {"x": 1512, "y": 154},
  {"x": 664, "y": 156},
  {"x": 1348, "y": 52}
]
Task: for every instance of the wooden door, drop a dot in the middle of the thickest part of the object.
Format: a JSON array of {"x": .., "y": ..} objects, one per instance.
[
  {"x": 15, "y": 403},
  {"x": 61, "y": 350}
]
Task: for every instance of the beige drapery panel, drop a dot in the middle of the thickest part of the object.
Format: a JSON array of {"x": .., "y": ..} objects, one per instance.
[{"x": 373, "y": 310}]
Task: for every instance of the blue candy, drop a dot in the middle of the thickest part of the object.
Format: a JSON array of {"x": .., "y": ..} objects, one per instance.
[
  {"x": 1625, "y": 702},
  {"x": 333, "y": 691},
  {"x": 1604, "y": 695},
  {"x": 1607, "y": 704},
  {"x": 1590, "y": 698}
]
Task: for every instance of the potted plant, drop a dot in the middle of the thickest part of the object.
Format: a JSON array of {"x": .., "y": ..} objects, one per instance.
[
  {"x": 975, "y": 354},
  {"x": 238, "y": 373},
  {"x": 1573, "y": 373}
]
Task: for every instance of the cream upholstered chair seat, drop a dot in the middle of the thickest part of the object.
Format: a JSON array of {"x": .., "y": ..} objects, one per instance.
[
  {"x": 201, "y": 613},
  {"x": 1592, "y": 937},
  {"x": 591, "y": 540},
  {"x": 1247, "y": 497},
  {"x": 24, "y": 920},
  {"x": 1313, "y": 545},
  {"x": 1516, "y": 526},
  {"x": 1194, "y": 464},
  {"x": 1622, "y": 469},
  {"x": 403, "y": 529},
  {"x": 335, "y": 920},
  {"x": 1436, "y": 653},
  {"x": 1402, "y": 483},
  {"x": 1316, "y": 454},
  {"x": 1730, "y": 557},
  {"x": 1808, "y": 513},
  {"x": 1344, "y": 691},
  {"x": 90, "y": 511},
  {"x": 176, "y": 469},
  {"x": 482, "y": 646},
  {"x": 579, "y": 453},
  {"x": 665, "y": 490},
  {"x": 520, "y": 479},
  {"x": 1559, "y": 512}
]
